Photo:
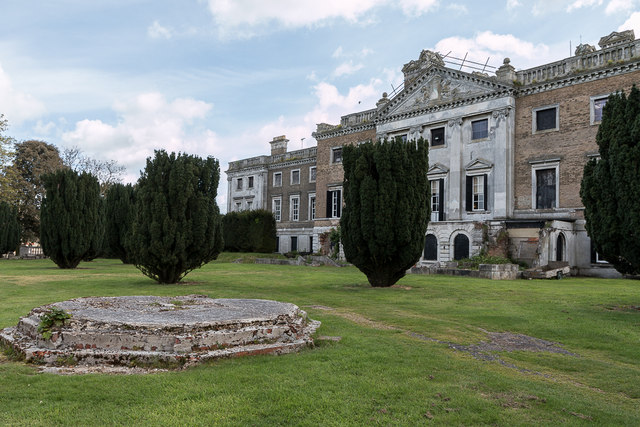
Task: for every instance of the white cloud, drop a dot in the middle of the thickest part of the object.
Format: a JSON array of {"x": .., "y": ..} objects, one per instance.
[
  {"x": 347, "y": 68},
  {"x": 496, "y": 47},
  {"x": 512, "y": 4},
  {"x": 247, "y": 18},
  {"x": 145, "y": 123},
  {"x": 17, "y": 106},
  {"x": 337, "y": 53},
  {"x": 458, "y": 8},
  {"x": 615, "y": 6},
  {"x": 633, "y": 23},
  {"x": 157, "y": 31},
  {"x": 579, "y": 4}
]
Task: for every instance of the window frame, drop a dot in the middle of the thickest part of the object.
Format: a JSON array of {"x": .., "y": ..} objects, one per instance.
[
  {"x": 277, "y": 174},
  {"x": 335, "y": 150},
  {"x": 249, "y": 205},
  {"x": 444, "y": 136},
  {"x": 534, "y": 119},
  {"x": 277, "y": 213},
  {"x": 294, "y": 208},
  {"x": 292, "y": 174},
  {"x": 250, "y": 180},
  {"x": 313, "y": 175},
  {"x": 334, "y": 210},
  {"x": 479, "y": 138},
  {"x": 239, "y": 183},
  {"x": 478, "y": 186},
  {"x": 592, "y": 108},
  {"x": 311, "y": 211},
  {"x": 435, "y": 183},
  {"x": 542, "y": 165}
]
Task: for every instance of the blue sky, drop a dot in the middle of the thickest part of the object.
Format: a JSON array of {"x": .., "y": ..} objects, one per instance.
[{"x": 120, "y": 78}]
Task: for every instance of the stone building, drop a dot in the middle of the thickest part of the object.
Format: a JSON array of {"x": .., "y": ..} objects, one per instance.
[
  {"x": 284, "y": 183},
  {"x": 506, "y": 154}
]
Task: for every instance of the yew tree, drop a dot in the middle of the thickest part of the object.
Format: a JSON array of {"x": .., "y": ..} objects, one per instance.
[
  {"x": 610, "y": 189},
  {"x": 119, "y": 214},
  {"x": 9, "y": 228},
  {"x": 386, "y": 210},
  {"x": 177, "y": 227},
  {"x": 70, "y": 218}
]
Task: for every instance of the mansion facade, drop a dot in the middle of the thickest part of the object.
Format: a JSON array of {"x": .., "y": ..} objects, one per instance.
[{"x": 506, "y": 155}]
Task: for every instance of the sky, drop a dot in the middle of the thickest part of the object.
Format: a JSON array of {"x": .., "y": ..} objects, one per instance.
[{"x": 119, "y": 79}]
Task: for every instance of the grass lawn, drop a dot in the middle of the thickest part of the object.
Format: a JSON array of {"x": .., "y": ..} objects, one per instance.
[{"x": 393, "y": 366}]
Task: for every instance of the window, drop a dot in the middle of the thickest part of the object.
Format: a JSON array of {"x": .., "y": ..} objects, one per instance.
[
  {"x": 437, "y": 199},
  {"x": 312, "y": 207},
  {"x": 403, "y": 137},
  {"x": 249, "y": 205},
  {"x": 546, "y": 119},
  {"x": 597, "y": 106},
  {"x": 476, "y": 196},
  {"x": 295, "y": 177},
  {"x": 277, "y": 243},
  {"x": 239, "y": 184},
  {"x": 431, "y": 248},
  {"x": 480, "y": 129},
  {"x": 312, "y": 174},
  {"x": 250, "y": 183},
  {"x": 336, "y": 155},
  {"x": 277, "y": 179},
  {"x": 334, "y": 203},
  {"x": 238, "y": 206},
  {"x": 561, "y": 248},
  {"x": 310, "y": 243},
  {"x": 545, "y": 188},
  {"x": 294, "y": 208},
  {"x": 277, "y": 209},
  {"x": 460, "y": 247},
  {"x": 294, "y": 243},
  {"x": 437, "y": 137}
]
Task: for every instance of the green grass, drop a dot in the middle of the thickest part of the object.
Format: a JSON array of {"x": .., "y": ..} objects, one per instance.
[{"x": 377, "y": 374}]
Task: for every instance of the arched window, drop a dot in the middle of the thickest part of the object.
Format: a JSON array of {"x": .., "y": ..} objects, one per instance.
[
  {"x": 460, "y": 247},
  {"x": 431, "y": 248},
  {"x": 561, "y": 246}
]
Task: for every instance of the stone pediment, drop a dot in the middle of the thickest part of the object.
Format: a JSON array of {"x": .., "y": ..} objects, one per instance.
[
  {"x": 437, "y": 169},
  {"x": 478, "y": 164},
  {"x": 439, "y": 86},
  {"x": 617, "y": 38}
]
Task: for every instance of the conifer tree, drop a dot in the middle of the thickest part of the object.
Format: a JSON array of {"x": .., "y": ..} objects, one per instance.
[
  {"x": 119, "y": 213},
  {"x": 386, "y": 209},
  {"x": 177, "y": 227},
  {"x": 610, "y": 189},
  {"x": 9, "y": 228},
  {"x": 70, "y": 217}
]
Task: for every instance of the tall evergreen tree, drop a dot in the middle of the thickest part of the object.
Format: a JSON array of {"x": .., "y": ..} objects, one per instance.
[
  {"x": 177, "y": 227},
  {"x": 610, "y": 189},
  {"x": 70, "y": 217},
  {"x": 119, "y": 213},
  {"x": 386, "y": 209},
  {"x": 9, "y": 228}
]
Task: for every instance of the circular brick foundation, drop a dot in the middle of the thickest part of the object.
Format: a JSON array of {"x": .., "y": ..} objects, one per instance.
[{"x": 151, "y": 331}]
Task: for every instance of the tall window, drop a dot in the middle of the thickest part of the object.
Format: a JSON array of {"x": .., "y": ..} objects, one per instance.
[
  {"x": 295, "y": 177},
  {"x": 277, "y": 209},
  {"x": 480, "y": 129},
  {"x": 435, "y": 200},
  {"x": 294, "y": 243},
  {"x": 312, "y": 174},
  {"x": 250, "y": 183},
  {"x": 476, "y": 196},
  {"x": 238, "y": 207},
  {"x": 249, "y": 206},
  {"x": 336, "y": 155},
  {"x": 312, "y": 207},
  {"x": 437, "y": 137},
  {"x": 294, "y": 213},
  {"x": 277, "y": 179},
  {"x": 545, "y": 188},
  {"x": 334, "y": 203},
  {"x": 239, "y": 184},
  {"x": 597, "y": 108},
  {"x": 431, "y": 248}
]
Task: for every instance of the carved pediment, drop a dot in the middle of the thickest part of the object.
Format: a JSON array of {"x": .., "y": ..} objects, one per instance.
[
  {"x": 478, "y": 164},
  {"x": 437, "y": 87},
  {"x": 437, "y": 169},
  {"x": 616, "y": 38}
]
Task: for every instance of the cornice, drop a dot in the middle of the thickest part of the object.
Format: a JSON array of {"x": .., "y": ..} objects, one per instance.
[
  {"x": 344, "y": 130},
  {"x": 297, "y": 162}
]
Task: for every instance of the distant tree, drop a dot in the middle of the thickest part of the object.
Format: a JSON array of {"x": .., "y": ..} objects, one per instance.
[
  {"x": 119, "y": 214},
  {"x": 33, "y": 159},
  {"x": 386, "y": 209},
  {"x": 9, "y": 228},
  {"x": 108, "y": 172},
  {"x": 70, "y": 217},
  {"x": 8, "y": 190},
  {"x": 177, "y": 227},
  {"x": 610, "y": 189}
]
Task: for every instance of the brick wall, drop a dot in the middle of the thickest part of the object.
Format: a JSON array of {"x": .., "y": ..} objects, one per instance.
[{"x": 575, "y": 138}]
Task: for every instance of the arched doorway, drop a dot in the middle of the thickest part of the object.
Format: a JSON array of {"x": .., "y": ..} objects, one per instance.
[
  {"x": 431, "y": 248},
  {"x": 561, "y": 248},
  {"x": 460, "y": 247}
]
